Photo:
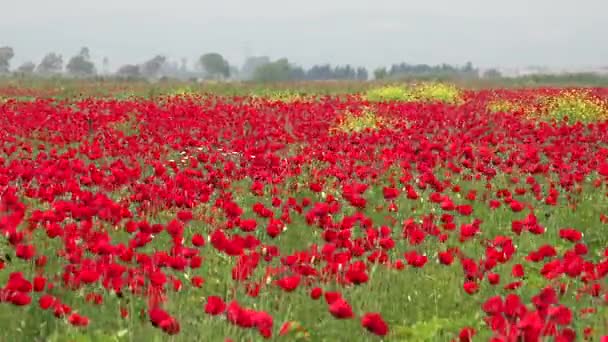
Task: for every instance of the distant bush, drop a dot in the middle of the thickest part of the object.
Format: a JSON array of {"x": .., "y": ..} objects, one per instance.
[
  {"x": 423, "y": 92},
  {"x": 389, "y": 93},
  {"x": 442, "y": 92},
  {"x": 576, "y": 105}
]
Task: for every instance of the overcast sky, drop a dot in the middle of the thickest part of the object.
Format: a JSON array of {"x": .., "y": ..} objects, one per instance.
[{"x": 360, "y": 32}]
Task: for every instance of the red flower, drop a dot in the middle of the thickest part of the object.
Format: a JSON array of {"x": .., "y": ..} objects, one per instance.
[
  {"x": 470, "y": 287},
  {"x": 78, "y": 320},
  {"x": 248, "y": 225},
  {"x": 570, "y": 234},
  {"x": 315, "y": 187},
  {"x": 263, "y": 322},
  {"x": 89, "y": 276},
  {"x": 289, "y": 283},
  {"x": 560, "y": 315},
  {"x": 19, "y": 298},
  {"x": 237, "y": 315},
  {"x": 184, "y": 215},
  {"x": 356, "y": 276},
  {"x": 39, "y": 283},
  {"x": 316, "y": 293},
  {"x": 285, "y": 328},
  {"x": 517, "y": 271},
  {"x": 603, "y": 169},
  {"x": 374, "y": 323},
  {"x": 197, "y": 281},
  {"x": 465, "y": 210},
  {"x": 493, "y": 278},
  {"x": 331, "y": 297},
  {"x": 581, "y": 249},
  {"x": 46, "y": 301},
  {"x": 25, "y": 252},
  {"x": 60, "y": 310},
  {"x": 161, "y": 319},
  {"x": 196, "y": 262},
  {"x": 446, "y": 258},
  {"x": 274, "y": 228},
  {"x": 494, "y": 204},
  {"x": 16, "y": 282},
  {"x": 415, "y": 259},
  {"x": 466, "y": 334},
  {"x": 390, "y": 193},
  {"x": 341, "y": 309},
  {"x": 215, "y": 305},
  {"x": 493, "y": 305},
  {"x": 198, "y": 240},
  {"x": 513, "y": 286},
  {"x": 516, "y": 206},
  {"x": 175, "y": 228}
]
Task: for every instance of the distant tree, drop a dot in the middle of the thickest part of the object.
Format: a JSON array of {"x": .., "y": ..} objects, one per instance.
[
  {"x": 252, "y": 63},
  {"x": 425, "y": 71},
  {"x": 52, "y": 63},
  {"x": 129, "y": 71},
  {"x": 152, "y": 67},
  {"x": 469, "y": 70},
  {"x": 183, "y": 67},
  {"x": 214, "y": 65},
  {"x": 81, "y": 65},
  {"x": 380, "y": 73},
  {"x": 279, "y": 70},
  {"x": 468, "y": 67},
  {"x": 26, "y": 68},
  {"x": 234, "y": 72},
  {"x": 320, "y": 72},
  {"x": 105, "y": 65},
  {"x": 170, "y": 69},
  {"x": 6, "y": 54},
  {"x": 362, "y": 74},
  {"x": 492, "y": 73},
  {"x": 296, "y": 73}
]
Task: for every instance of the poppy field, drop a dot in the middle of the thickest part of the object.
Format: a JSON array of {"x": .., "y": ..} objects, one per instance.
[{"x": 427, "y": 213}]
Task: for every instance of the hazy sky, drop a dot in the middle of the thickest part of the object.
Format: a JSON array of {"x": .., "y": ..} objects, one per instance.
[{"x": 358, "y": 32}]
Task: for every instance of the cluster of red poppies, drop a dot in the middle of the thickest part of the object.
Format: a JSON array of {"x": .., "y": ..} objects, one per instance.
[{"x": 129, "y": 198}]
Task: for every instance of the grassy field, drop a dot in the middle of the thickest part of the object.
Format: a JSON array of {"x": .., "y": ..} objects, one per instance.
[{"x": 422, "y": 212}]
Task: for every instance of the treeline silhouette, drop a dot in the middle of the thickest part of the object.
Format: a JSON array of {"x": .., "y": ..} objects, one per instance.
[{"x": 214, "y": 66}]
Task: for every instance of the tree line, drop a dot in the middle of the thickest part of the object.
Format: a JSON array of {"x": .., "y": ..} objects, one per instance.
[{"x": 214, "y": 66}]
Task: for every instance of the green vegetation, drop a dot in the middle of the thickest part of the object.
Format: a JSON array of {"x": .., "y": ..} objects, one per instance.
[
  {"x": 422, "y": 92},
  {"x": 576, "y": 105}
]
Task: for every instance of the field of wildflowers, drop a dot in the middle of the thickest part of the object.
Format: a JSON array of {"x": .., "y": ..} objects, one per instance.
[{"x": 400, "y": 213}]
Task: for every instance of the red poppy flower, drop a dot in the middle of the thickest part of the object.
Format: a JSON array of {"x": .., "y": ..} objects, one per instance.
[
  {"x": 316, "y": 293},
  {"x": 390, "y": 193},
  {"x": 198, "y": 240},
  {"x": 197, "y": 281},
  {"x": 446, "y": 258},
  {"x": 374, "y": 323},
  {"x": 341, "y": 309},
  {"x": 78, "y": 320},
  {"x": 215, "y": 305},
  {"x": 290, "y": 283},
  {"x": 470, "y": 287},
  {"x": 517, "y": 271}
]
